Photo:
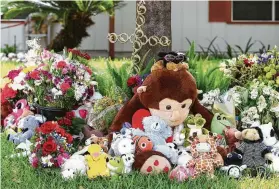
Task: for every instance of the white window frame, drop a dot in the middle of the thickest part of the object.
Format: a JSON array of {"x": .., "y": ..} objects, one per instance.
[{"x": 273, "y": 14}]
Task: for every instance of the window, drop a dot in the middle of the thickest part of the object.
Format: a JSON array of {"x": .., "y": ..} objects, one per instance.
[{"x": 267, "y": 10}]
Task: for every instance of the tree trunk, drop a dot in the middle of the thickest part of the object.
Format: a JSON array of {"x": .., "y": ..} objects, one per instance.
[
  {"x": 72, "y": 33},
  {"x": 157, "y": 23}
]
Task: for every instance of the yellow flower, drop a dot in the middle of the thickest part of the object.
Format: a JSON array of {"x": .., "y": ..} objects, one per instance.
[{"x": 28, "y": 69}]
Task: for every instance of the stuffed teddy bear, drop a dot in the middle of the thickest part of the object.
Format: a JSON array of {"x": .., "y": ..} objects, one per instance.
[
  {"x": 181, "y": 173},
  {"x": 115, "y": 165},
  {"x": 73, "y": 166},
  {"x": 233, "y": 171},
  {"x": 154, "y": 128},
  {"x": 253, "y": 150},
  {"x": 205, "y": 155},
  {"x": 128, "y": 160},
  {"x": 96, "y": 162},
  {"x": 151, "y": 162},
  {"x": 121, "y": 145},
  {"x": 28, "y": 126}
]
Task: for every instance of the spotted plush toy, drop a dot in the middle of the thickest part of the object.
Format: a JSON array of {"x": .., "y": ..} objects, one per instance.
[{"x": 205, "y": 155}]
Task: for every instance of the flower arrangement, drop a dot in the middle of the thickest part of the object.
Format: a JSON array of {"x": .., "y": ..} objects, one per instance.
[
  {"x": 71, "y": 124},
  {"x": 54, "y": 80},
  {"x": 245, "y": 68},
  {"x": 209, "y": 98},
  {"x": 257, "y": 102},
  {"x": 52, "y": 146}
]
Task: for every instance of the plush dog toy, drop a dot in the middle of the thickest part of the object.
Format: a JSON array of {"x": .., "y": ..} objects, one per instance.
[
  {"x": 128, "y": 160},
  {"x": 205, "y": 155},
  {"x": 253, "y": 150},
  {"x": 96, "y": 162},
  {"x": 28, "y": 126},
  {"x": 74, "y": 166}
]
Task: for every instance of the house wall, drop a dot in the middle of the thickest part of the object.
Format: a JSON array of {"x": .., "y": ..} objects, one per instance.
[{"x": 189, "y": 19}]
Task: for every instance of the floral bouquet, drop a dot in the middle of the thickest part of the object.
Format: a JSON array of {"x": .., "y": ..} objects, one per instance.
[
  {"x": 52, "y": 146},
  {"x": 256, "y": 103},
  {"x": 245, "y": 68},
  {"x": 54, "y": 80}
]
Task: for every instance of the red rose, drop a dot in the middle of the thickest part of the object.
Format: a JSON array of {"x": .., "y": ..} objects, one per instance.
[
  {"x": 86, "y": 56},
  {"x": 65, "y": 86},
  {"x": 61, "y": 131},
  {"x": 69, "y": 138},
  {"x": 61, "y": 64},
  {"x": 48, "y": 127},
  {"x": 131, "y": 81},
  {"x": 70, "y": 115},
  {"x": 65, "y": 121},
  {"x": 248, "y": 63},
  {"x": 35, "y": 74},
  {"x": 49, "y": 146}
]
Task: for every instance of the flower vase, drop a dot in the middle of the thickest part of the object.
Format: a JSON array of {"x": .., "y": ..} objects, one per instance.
[{"x": 51, "y": 113}]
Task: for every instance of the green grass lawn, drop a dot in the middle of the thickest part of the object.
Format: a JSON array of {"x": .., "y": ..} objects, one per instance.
[{"x": 17, "y": 172}]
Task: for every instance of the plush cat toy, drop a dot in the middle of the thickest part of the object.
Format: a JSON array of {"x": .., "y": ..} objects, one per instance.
[{"x": 205, "y": 155}]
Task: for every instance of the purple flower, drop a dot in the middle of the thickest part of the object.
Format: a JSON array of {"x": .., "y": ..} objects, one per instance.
[
  {"x": 68, "y": 80},
  {"x": 47, "y": 74},
  {"x": 264, "y": 58},
  {"x": 64, "y": 71},
  {"x": 56, "y": 80}
]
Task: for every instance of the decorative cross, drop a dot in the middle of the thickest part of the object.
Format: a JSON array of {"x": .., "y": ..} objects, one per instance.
[{"x": 138, "y": 38}]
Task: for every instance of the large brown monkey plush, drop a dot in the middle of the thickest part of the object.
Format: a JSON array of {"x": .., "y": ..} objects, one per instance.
[{"x": 167, "y": 93}]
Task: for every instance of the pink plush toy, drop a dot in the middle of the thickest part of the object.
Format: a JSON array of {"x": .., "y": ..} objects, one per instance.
[
  {"x": 14, "y": 117},
  {"x": 181, "y": 173}
]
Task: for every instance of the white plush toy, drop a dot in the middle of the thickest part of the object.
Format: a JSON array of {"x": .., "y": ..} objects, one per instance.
[
  {"x": 233, "y": 171},
  {"x": 121, "y": 145},
  {"x": 184, "y": 156},
  {"x": 178, "y": 137},
  {"x": 128, "y": 160},
  {"x": 76, "y": 165}
]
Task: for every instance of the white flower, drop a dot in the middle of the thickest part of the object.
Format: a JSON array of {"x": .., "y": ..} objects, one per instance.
[
  {"x": 46, "y": 160},
  {"x": 222, "y": 66},
  {"x": 267, "y": 90},
  {"x": 87, "y": 77},
  {"x": 261, "y": 103},
  {"x": 38, "y": 82},
  {"x": 56, "y": 92},
  {"x": 227, "y": 72},
  {"x": 254, "y": 93},
  {"x": 79, "y": 91},
  {"x": 232, "y": 62}
]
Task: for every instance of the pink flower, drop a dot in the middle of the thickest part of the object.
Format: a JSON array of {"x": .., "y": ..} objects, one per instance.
[
  {"x": 12, "y": 74},
  {"x": 35, "y": 162},
  {"x": 35, "y": 74},
  {"x": 64, "y": 87},
  {"x": 61, "y": 158},
  {"x": 46, "y": 55},
  {"x": 64, "y": 71}
]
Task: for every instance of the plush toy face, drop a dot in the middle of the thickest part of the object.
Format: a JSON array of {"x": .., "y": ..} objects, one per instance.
[
  {"x": 203, "y": 147},
  {"x": 73, "y": 167},
  {"x": 251, "y": 134},
  {"x": 128, "y": 159},
  {"x": 172, "y": 111},
  {"x": 269, "y": 136},
  {"x": 155, "y": 164},
  {"x": 95, "y": 151},
  {"x": 123, "y": 146},
  {"x": 155, "y": 125},
  {"x": 143, "y": 143},
  {"x": 29, "y": 122},
  {"x": 115, "y": 164},
  {"x": 219, "y": 123}
]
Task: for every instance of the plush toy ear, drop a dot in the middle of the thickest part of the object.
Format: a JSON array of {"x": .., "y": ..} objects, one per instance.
[{"x": 239, "y": 156}]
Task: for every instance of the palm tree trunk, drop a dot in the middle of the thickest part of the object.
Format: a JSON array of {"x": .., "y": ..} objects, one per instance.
[
  {"x": 157, "y": 23},
  {"x": 72, "y": 33}
]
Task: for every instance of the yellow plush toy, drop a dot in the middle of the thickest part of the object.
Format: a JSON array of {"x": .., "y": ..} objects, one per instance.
[{"x": 96, "y": 162}]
